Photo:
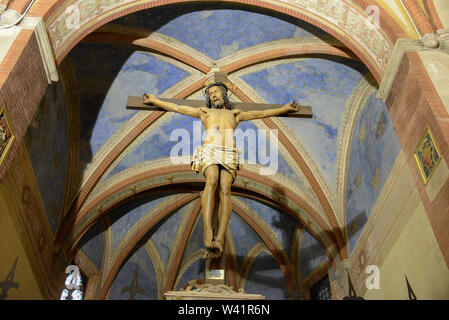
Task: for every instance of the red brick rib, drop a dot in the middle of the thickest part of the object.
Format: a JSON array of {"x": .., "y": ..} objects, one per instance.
[
  {"x": 419, "y": 18},
  {"x": 139, "y": 233},
  {"x": 151, "y": 44},
  {"x": 174, "y": 269},
  {"x": 72, "y": 238},
  {"x": 47, "y": 9},
  {"x": 433, "y": 14},
  {"x": 288, "y": 52},
  {"x": 110, "y": 158},
  {"x": 274, "y": 249},
  {"x": 309, "y": 176}
]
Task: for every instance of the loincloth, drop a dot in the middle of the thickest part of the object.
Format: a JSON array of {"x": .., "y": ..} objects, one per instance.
[{"x": 209, "y": 154}]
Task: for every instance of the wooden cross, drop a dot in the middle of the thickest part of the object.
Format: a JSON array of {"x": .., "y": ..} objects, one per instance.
[
  {"x": 216, "y": 267},
  {"x": 135, "y": 103}
]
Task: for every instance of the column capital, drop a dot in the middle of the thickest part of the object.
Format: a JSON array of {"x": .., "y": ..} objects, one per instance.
[
  {"x": 431, "y": 41},
  {"x": 10, "y": 16},
  {"x": 401, "y": 46}
]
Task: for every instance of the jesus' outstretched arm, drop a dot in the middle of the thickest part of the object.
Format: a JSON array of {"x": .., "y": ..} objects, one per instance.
[
  {"x": 168, "y": 106},
  {"x": 259, "y": 114}
]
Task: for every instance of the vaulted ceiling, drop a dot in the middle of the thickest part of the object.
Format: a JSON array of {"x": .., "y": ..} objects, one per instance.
[{"x": 127, "y": 211}]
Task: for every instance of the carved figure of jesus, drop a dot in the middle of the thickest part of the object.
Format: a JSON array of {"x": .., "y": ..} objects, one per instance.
[{"x": 217, "y": 158}]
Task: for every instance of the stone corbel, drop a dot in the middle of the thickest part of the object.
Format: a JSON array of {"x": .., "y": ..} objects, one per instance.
[
  {"x": 9, "y": 16},
  {"x": 402, "y": 46},
  {"x": 430, "y": 41}
]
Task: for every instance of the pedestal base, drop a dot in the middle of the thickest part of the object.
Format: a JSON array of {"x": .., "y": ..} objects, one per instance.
[{"x": 209, "y": 291}]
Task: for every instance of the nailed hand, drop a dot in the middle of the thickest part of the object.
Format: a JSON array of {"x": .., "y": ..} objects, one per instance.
[
  {"x": 148, "y": 98},
  {"x": 292, "y": 107}
]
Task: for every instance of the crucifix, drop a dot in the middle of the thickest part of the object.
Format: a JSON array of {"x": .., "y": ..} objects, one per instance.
[
  {"x": 217, "y": 158},
  {"x": 136, "y": 103}
]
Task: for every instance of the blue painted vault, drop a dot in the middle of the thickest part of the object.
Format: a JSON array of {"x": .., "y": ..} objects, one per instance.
[{"x": 107, "y": 73}]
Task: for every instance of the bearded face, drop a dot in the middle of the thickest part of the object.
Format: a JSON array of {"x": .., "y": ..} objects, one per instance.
[{"x": 217, "y": 98}]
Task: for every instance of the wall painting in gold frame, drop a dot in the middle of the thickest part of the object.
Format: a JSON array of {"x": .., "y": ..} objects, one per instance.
[
  {"x": 6, "y": 135},
  {"x": 427, "y": 155}
]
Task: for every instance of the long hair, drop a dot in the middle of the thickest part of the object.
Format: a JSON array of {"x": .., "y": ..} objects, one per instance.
[{"x": 224, "y": 93}]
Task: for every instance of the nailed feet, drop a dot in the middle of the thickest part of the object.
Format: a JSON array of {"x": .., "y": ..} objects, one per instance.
[{"x": 214, "y": 249}]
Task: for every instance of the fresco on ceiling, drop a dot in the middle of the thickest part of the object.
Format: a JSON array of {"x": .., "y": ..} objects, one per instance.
[
  {"x": 219, "y": 33},
  {"x": 266, "y": 277},
  {"x": 375, "y": 147},
  {"x": 92, "y": 243},
  {"x": 105, "y": 83},
  {"x": 46, "y": 143},
  {"x": 136, "y": 279},
  {"x": 196, "y": 240},
  {"x": 243, "y": 236},
  {"x": 164, "y": 236},
  {"x": 323, "y": 84},
  {"x": 311, "y": 254},
  {"x": 244, "y": 239},
  {"x": 264, "y": 273},
  {"x": 281, "y": 224},
  {"x": 195, "y": 271},
  {"x": 157, "y": 145},
  {"x": 108, "y": 80},
  {"x": 122, "y": 219}
]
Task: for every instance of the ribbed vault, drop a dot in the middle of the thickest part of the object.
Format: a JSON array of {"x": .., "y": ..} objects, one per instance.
[
  {"x": 339, "y": 67},
  {"x": 334, "y": 20}
]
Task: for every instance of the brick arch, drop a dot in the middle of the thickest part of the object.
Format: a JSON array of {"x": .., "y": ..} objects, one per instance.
[
  {"x": 433, "y": 15},
  {"x": 18, "y": 5},
  {"x": 126, "y": 248},
  {"x": 108, "y": 200},
  {"x": 147, "y": 44},
  {"x": 278, "y": 254},
  {"x": 292, "y": 51},
  {"x": 390, "y": 30},
  {"x": 318, "y": 190},
  {"x": 280, "y": 52},
  {"x": 419, "y": 18},
  {"x": 173, "y": 271},
  {"x": 299, "y": 50}
]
